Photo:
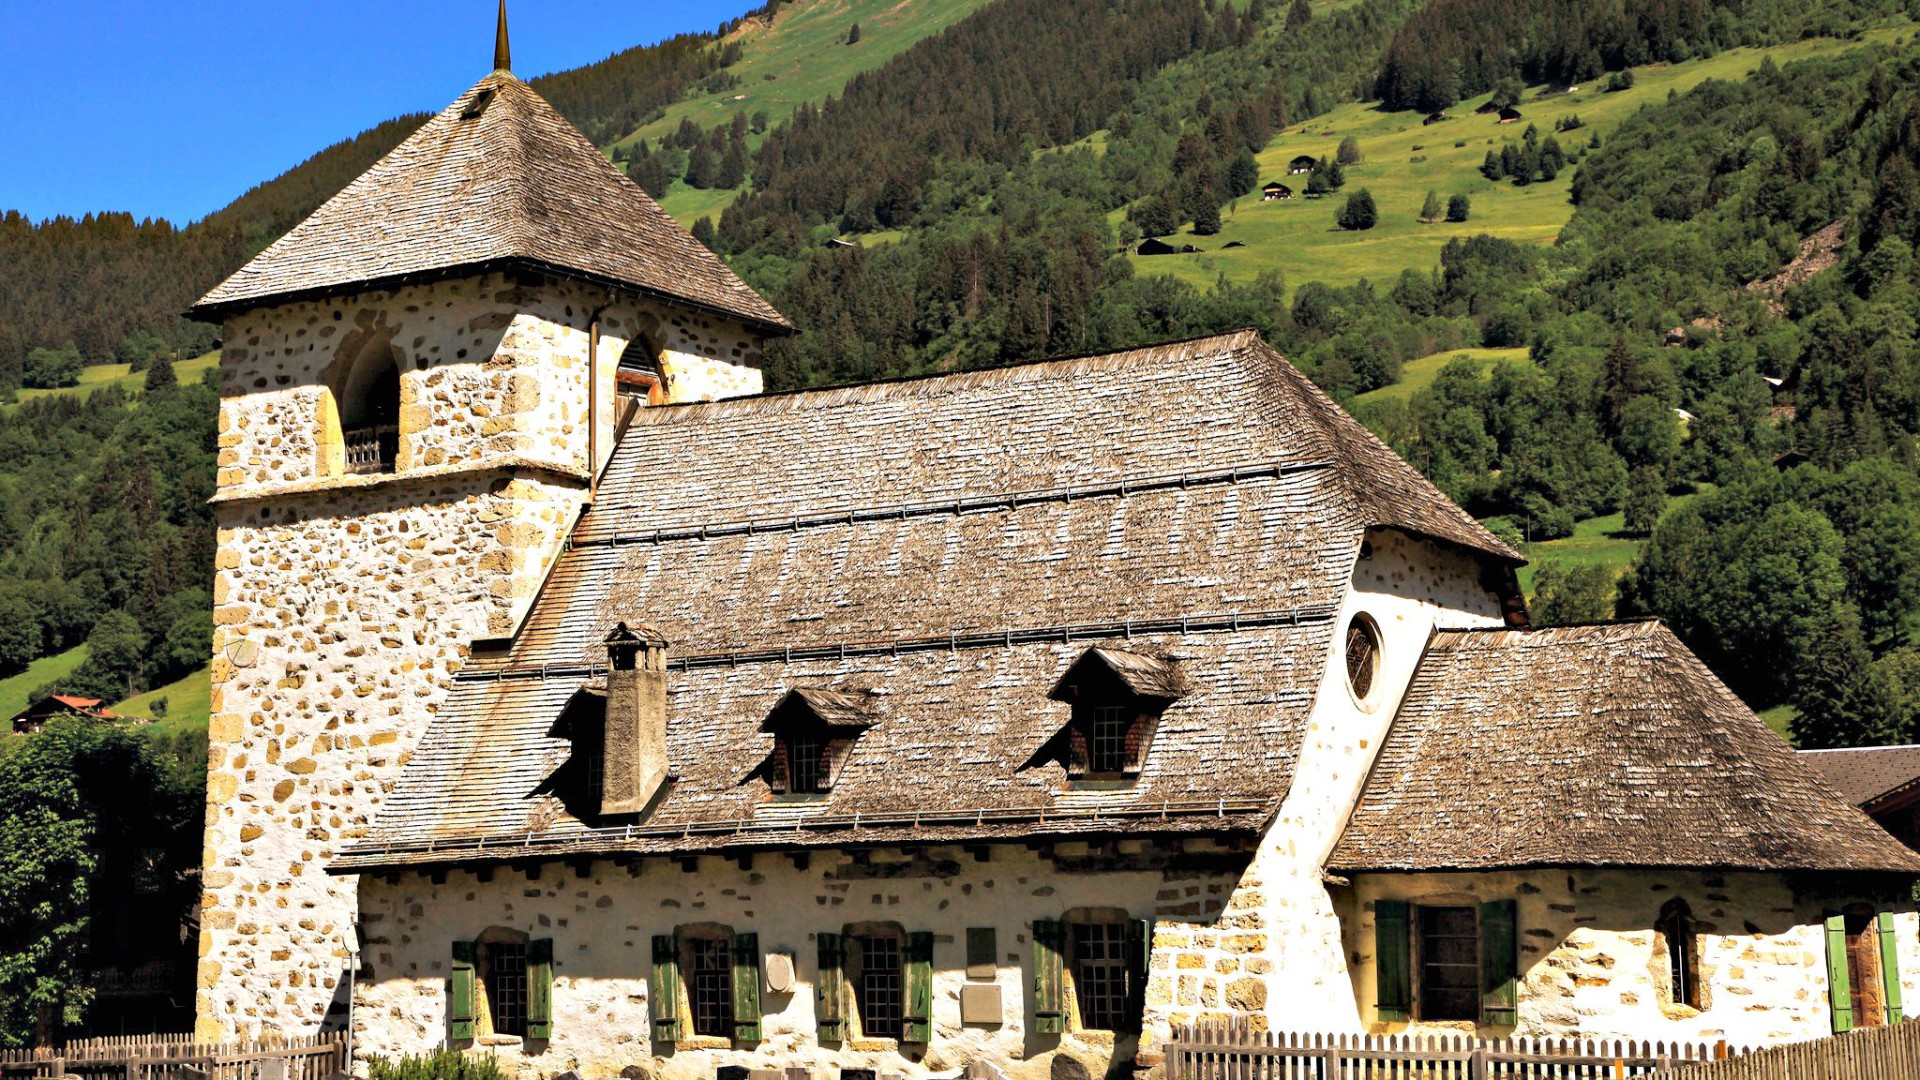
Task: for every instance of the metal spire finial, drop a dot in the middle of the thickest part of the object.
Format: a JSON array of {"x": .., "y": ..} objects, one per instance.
[{"x": 502, "y": 56}]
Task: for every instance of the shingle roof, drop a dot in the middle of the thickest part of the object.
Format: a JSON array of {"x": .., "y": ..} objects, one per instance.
[
  {"x": 1593, "y": 746},
  {"x": 1863, "y": 774},
  {"x": 512, "y": 184},
  {"x": 952, "y": 544}
]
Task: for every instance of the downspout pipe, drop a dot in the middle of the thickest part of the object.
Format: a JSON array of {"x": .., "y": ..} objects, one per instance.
[{"x": 593, "y": 399}]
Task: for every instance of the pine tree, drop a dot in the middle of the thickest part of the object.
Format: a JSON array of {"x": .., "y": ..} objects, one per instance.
[
  {"x": 1299, "y": 15},
  {"x": 1458, "y": 208},
  {"x": 160, "y": 374},
  {"x": 1206, "y": 219},
  {"x": 1349, "y": 152},
  {"x": 701, "y": 168},
  {"x": 1243, "y": 174},
  {"x": 1430, "y": 210},
  {"x": 853, "y": 34},
  {"x": 1492, "y": 168},
  {"x": 704, "y": 232}
]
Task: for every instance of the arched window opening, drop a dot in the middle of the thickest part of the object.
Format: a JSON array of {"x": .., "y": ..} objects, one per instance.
[
  {"x": 501, "y": 956},
  {"x": 370, "y": 414},
  {"x": 1679, "y": 932}
]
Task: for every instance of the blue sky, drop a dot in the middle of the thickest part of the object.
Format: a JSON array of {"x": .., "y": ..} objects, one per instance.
[{"x": 173, "y": 109}]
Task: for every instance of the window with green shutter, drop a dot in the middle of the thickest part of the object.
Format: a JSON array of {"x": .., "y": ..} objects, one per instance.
[
  {"x": 663, "y": 993},
  {"x": 830, "y": 989},
  {"x": 746, "y": 987},
  {"x": 540, "y": 988},
  {"x": 918, "y": 1026},
  {"x": 1392, "y": 961},
  {"x": 1890, "y": 968},
  {"x": 463, "y": 1014},
  {"x": 1839, "y": 991},
  {"x": 1049, "y": 988},
  {"x": 1499, "y": 963},
  {"x": 1139, "y": 947}
]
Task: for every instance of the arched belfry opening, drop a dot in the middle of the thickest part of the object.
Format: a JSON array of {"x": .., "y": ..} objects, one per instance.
[{"x": 370, "y": 412}]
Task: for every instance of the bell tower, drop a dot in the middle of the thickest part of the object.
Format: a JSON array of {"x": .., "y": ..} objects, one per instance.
[{"x": 419, "y": 384}]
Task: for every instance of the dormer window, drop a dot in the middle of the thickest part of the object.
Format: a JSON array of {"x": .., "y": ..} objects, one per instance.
[
  {"x": 813, "y": 732},
  {"x": 1117, "y": 698}
]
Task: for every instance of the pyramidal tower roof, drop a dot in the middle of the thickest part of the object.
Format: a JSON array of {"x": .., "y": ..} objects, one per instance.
[{"x": 500, "y": 180}]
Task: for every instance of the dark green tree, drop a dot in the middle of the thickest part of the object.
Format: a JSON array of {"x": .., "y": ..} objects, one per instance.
[
  {"x": 1459, "y": 207},
  {"x": 1359, "y": 213},
  {"x": 853, "y": 34},
  {"x": 1842, "y": 697},
  {"x": 1430, "y": 209},
  {"x": 1564, "y": 594},
  {"x": 1299, "y": 14},
  {"x": 1348, "y": 152},
  {"x": 1646, "y": 499}
]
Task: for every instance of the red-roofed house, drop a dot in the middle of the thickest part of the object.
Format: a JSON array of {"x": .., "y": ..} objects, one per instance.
[{"x": 35, "y": 716}]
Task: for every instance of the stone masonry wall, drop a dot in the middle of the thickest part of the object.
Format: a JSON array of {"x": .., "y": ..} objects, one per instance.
[
  {"x": 602, "y": 927},
  {"x": 340, "y": 623},
  {"x": 1592, "y": 966},
  {"x": 488, "y": 369},
  {"x": 344, "y": 604}
]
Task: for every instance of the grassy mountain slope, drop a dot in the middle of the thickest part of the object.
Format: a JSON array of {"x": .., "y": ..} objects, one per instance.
[{"x": 1404, "y": 158}]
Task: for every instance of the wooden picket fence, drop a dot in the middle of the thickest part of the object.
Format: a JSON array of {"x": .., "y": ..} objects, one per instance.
[
  {"x": 1888, "y": 1053},
  {"x": 1231, "y": 1050},
  {"x": 179, "y": 1057}
]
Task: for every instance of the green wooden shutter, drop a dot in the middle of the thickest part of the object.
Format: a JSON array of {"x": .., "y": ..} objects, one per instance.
[
  {"x": 540, "y": 988},
  {"x": 1499, "y": 963},
  {"x": 1392, "y": 961},
  {"x": 463, "y": 1018},
  {"x": 830, "y": 990},
  {"x": 746, "y": 987},
  {"x": 918, "y": 1026},
  {"x": 1139, "y": 947},
  {"x": 663, "y": 995},
  {"x": 1838, "y": 992},
  {"x": 1049, "y": 988},
  {"x": 1890, "y": 967}
]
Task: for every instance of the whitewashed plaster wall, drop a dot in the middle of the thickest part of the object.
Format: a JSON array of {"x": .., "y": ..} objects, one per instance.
[{"x": 1408, "y": 587}]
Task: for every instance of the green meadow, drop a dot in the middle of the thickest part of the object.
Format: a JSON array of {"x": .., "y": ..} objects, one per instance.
[
  {"x": 101, "y": 376},
  {"x": 1417, "y": 375},
  {"x": 187, "y": 701},
  {"x": 1403, "y": 158},
  {"x": 15, "y": 689}
]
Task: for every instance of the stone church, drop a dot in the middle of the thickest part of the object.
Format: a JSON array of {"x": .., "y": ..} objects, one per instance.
[{"x": 578, "y": 702}]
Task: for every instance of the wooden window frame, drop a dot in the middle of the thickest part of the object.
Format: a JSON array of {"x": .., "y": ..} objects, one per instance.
[
  {"x": 696, "y": 943},
  {"x": 1363, "y": 626},
  {"x": 855, "y": 938},
  {"x": 1065, "y": 967},
  {"x": 1417, "y": 935}
]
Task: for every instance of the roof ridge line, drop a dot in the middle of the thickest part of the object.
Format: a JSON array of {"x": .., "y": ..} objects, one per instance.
[
  {"x": 1856, "y": 749},
  {"x": 934, "y": 376}
]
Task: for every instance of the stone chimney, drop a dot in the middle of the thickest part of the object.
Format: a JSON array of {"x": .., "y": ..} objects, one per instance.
[{"x": 635, "y": 762}]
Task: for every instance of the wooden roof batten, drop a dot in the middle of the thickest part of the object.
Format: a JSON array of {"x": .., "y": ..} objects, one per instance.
[{"x": 498, "y": 182}]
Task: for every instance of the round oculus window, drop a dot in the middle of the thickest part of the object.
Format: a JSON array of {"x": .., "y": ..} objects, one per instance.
[{"x": 1363, "y": 655}]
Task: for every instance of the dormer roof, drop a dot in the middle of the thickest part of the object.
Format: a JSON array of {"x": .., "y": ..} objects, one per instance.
[
  {"x": 498, "y": 181},
  {"x": 1143, "y": 676}
]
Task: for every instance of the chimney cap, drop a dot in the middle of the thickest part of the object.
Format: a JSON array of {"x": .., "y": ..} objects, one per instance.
[{"x": 637, "y": 634}]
